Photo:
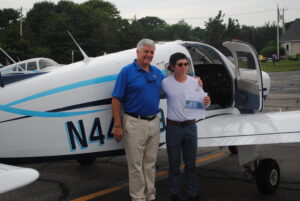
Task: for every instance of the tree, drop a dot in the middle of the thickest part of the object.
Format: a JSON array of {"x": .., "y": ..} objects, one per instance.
[
  {"x": 270, "y": 50},
  {"x": 232, "y": 29},
  {"x": 8, "y": 16},
  {"x": 37, "y": 17},
  {"x": 98, "y": 28},
  {"x": 181, "y": 31},
  {"x": 259, "y": 37},
  {"x": 198, "y": 33},
  {"x": 103, "y": 6},
  {"x": 154, "y": 28},
  {"x": 94, "y": 24},
  {"x": 215, "y": 30},
  {"x": 133, "y": 33},
  {"x": 265, "y": 34}
]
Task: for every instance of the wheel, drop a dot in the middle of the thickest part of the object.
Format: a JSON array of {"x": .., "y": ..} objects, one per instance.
[
  {"x": 267, "y": 176},
  {"x": 233, "y": 149},
  {"x": 86, "y": 161}
]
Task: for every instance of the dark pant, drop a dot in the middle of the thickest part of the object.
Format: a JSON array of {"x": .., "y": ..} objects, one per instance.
[{"x": 182, "y": 139}]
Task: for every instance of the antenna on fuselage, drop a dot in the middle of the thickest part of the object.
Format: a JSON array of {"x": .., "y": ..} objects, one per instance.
[
  {"x": 7, "y": 55},
  {"x": 85, "y": 56}
]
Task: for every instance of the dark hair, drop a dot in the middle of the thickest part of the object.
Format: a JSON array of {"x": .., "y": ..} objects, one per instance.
[{"x": 174, "y": 58}]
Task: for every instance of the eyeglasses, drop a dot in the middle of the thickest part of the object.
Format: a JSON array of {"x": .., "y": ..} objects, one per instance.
[
  {"x": 151, "y": 76},
  {"x": 182, "y": 64}
]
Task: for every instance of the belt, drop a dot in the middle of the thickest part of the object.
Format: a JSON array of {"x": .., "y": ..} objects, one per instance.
[
  {"x": 181, "y": 123},
  {"x": 149, "y": 118}
]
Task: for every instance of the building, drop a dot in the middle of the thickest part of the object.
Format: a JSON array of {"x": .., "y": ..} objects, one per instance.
[{"x": 290, "y": 40}]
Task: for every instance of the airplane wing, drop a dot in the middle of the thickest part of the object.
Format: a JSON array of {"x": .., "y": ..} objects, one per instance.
[
  {"x": 12, "y": 177},
  {"x": 249, "y": 129}
]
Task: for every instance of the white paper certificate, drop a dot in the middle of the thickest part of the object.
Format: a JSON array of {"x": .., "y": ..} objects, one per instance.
[{"x": 194, "y": 105}]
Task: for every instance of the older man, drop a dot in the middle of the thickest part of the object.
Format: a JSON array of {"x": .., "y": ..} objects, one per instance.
[{"x": 137, "y": 90}]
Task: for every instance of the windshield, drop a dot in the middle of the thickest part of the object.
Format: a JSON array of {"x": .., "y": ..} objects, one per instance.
[
  {"x": 202, "y": 54},
  {"x": 47, "y": 62}
]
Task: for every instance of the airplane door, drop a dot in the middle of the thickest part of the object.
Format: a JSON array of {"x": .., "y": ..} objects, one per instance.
[{"x": 248, "y": 81}]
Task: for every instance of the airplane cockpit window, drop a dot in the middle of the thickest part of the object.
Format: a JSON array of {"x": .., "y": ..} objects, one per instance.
[
  {"x": 45, "y": 63},
  {"x": 18, "y": 67},
  {"x": 202, "y": 54},
  {"x": 14, "y": 68},
  {"x": 31, "y": 65},
  {"x": 209, "y": 66},
  {"x": 246, "y": 60},
  {"x": 246, "y": 63}
]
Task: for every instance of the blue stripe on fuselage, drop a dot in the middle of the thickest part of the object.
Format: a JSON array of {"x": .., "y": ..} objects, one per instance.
[
  {"x": 65, "y": 88},
  {"x": 8, "y": 108}
]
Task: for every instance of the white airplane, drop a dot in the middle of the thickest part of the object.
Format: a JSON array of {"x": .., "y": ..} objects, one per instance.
[
  {"x": 34, "y": 65},
  {"x": 66, "y": 113}
]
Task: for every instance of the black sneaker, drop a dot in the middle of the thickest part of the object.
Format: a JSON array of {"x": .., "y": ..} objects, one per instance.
[{"x": 175, "y": 198}]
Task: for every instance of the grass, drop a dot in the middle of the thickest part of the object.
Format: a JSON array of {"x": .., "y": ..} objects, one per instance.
[{"x": 281, "y": 66}]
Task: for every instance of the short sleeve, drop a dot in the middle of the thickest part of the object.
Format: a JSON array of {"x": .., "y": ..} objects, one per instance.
[
  {"x": 163, "y": 85},
  {"x": 120, "y": 85},
  {"x": 161, "y": 75}
]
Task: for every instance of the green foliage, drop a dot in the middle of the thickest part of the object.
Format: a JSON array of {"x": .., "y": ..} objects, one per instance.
[
  {"x": 215, "y": 29},
  {"x": 198, "y": 33},
  {"x": 269, "y": 51},
  {"x": 94, "y": 24},
  {"x": 7, "y": 17},
  {"x": 180, "y": 31},
  {"x": 98, "y": 28},
  {"x": 155, "y": 28},
  {"x": 281, "y": 66},
  {"x": 232, "y": 29}
]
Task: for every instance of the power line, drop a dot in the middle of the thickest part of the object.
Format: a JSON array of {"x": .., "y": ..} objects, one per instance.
[
  {"x": 254, "y": 12},
  {"x": 293, "y": 8},
  {"x": 231, "y": 15}
]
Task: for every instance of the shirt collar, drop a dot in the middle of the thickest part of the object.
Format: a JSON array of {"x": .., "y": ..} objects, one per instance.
[{"x": 138, "y": 68}]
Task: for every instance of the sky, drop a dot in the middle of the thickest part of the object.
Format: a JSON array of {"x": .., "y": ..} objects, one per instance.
[{"x": 194, "y": 12}]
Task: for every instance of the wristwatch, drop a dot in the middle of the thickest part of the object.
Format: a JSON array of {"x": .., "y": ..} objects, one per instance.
[{"x": 117, "y": 126}]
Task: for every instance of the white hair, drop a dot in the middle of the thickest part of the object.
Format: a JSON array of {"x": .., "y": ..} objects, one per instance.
[{"x": 144, "y": 42}]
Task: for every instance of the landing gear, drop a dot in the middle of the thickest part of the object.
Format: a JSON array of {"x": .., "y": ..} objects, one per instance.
[
  {"x": 86, "y": 161},
  {"x": 267, "y": 176},
  {"x": 233, "y": 149}
]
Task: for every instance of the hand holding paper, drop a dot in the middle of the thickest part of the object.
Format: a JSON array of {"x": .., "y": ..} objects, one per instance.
[{"x": 195, "y": 104}]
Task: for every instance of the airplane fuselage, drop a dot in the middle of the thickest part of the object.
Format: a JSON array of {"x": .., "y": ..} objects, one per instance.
[{"x": 67, "y": 112}]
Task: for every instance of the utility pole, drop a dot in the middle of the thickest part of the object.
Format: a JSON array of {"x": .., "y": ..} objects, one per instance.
[
  {"x": 72, "y": 56},
  {"x": 278, "y": 18},
  {"x": 21, "y": 26},
  {"x": 282, "y": 17}
]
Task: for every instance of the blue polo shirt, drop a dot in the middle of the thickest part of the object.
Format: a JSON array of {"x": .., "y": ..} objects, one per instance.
[{"x": 138, "y": 90}]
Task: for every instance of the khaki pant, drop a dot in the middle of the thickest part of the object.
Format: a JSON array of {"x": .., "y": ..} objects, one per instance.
[{"x": 141, "y": 140}]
